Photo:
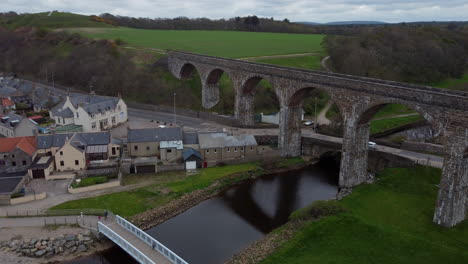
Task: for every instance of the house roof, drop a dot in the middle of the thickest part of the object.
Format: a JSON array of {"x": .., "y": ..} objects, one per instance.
[
  {"x": 191, "y": 152},
  {"x": 35, "y": 117},
  {"x": 9, "y": 184},
  {"x": 221, "y": 140},
  {"x": 10, "y": 120},
  {"x": 155, "y": 134},
  {"x": 65, "y": 113},
  {"x": 7, "y": 102},
  {"x": 42, "y": 162},
  {"x": 6, "y": 91},
  {"x": 190, "y": 138},
  {"x": 26, "y": 144},
  {"x": 58, "y": 140}
]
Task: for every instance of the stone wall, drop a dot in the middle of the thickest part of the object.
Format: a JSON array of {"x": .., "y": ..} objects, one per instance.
[
  {"x": 28, "y": 198},
  {"x": 110, "y": 184},
  {"x": 177, "y": 167}
]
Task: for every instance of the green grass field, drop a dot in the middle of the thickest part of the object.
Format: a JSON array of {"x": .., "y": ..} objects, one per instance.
[
  {"x": 455, "y": 84},
  {"x": 390, "y": 110},
  {"x": 377, "y": 126},
  {"x": 166, "y": 187},
  {"x": 386, "y": 222},
  {"x": 56, "y": 20},
  {"x": 309, "y": 62},
  {"x": 232, "y": 44}
]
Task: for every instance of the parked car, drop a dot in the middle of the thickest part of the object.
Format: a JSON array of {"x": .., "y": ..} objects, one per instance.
[
  {"x": 308, "y": 123},
  {"x": 372, "y": 145}
]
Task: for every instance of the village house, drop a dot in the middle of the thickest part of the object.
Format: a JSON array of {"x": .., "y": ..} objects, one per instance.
[
  {"x": 90, "y": 112},
  {"x": 13, "y": 125},
  {"x": 218, "y": 147},
  {"x": 74, "y": 151},
  {"x": 16, "y": 154},
  {"x": 6, "y": 105}
]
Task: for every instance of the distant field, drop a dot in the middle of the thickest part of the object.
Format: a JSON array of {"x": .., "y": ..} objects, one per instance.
[
  {"x": 233, "y": 44},
  {"x": 55, "y": 20},
  {"x": 309, "y": 62}
]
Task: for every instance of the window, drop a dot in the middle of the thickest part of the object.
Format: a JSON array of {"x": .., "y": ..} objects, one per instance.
[
  {"x": 251, "y": 148},
  {"x": 113, "y": 120},
  {"x": 61, "y": 153},
  {"x": 135, "y": 147},
  {"x": 62, "y": 163},
  {"x": 169, "y": 150},
  {"x": 77, "y": 115},
  {"x": 13, "y": 164},
  {"x": 24, "y": 162},
  {"x": 147, "y": 148},
  {"x": 214, "y": 150},
  {"x": 91, "y": 115},
  {"x": 93, "y": 125},
  {"x": 13, "y": 156},
  {"x": 77, "y": 162},
  {"x": 119, "y": 107},
  {"x": 228, "y": 150},
  {"x": 235, "y": 149},
  {"x": 207, "y": 151}
]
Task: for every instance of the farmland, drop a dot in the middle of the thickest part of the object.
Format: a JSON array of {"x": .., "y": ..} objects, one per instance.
[{"x": 231, "y": 44}]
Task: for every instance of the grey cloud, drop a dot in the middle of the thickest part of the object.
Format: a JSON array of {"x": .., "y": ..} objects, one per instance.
[{"x": 295, "y": 10}]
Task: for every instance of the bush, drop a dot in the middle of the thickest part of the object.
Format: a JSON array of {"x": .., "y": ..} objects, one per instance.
[
  {"x": 317, "y": 210},
  {"x": 17, "y": 195}
]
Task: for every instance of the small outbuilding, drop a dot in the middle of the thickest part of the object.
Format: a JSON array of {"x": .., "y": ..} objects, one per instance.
[{"x": 192, "y": 158}]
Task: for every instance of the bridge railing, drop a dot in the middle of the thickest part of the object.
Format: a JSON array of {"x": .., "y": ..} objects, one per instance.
[
  {"x": 171, "y": 256},
  {"x": 129, "y": 248}
]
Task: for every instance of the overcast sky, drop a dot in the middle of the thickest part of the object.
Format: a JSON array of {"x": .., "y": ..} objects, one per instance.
[{"x": 294, "y": 10}]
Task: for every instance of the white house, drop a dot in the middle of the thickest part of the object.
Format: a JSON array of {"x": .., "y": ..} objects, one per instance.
[
  {"x": 13, "y": 125},
  {"x": 91, "y": 112}
]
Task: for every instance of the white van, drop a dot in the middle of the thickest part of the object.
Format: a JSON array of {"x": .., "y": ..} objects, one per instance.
[{"x": 372, "y": 145}]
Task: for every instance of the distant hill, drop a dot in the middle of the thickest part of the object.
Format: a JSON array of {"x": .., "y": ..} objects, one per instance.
[
  {"x": 341, "y": 23},
  {"x": 53, "y": 20}
]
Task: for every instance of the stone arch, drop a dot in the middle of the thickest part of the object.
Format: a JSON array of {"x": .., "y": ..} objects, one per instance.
[
  {"x": 211, "y": 92},
  {"x": 187, "y": 70},
  {"x": 367, "y": 113},
  {"x": 245, "y": 98}
]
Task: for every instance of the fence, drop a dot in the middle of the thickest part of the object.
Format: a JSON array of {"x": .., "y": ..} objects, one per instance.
[
  {"x": 28, "y": 198},
  {"x": 134, "y": 252},
  {"x": 150, "y": 241},
  {"x": 61, "y": 212}
]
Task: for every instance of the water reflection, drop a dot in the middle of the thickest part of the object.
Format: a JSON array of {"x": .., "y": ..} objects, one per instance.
[{"x": 216, "y": 229}]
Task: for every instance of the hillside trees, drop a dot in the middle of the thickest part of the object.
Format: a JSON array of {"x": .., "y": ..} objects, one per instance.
[{"x": 410, "y": 54}]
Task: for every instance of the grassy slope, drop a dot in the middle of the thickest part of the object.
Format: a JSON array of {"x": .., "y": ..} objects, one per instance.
[
  {"x": 386, "y": 222},
  {"x": 308, "y": 62},
  {"x": 132, "y": 202},
  {"x": 233, "y": 44},
  {"x": 456, "y": 84},
  {"x": 381, "y": 125},
  {"x": 56, "y": 20}
]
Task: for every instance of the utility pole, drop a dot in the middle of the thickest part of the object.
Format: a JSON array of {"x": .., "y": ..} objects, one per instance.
[
  {"x": 315, "y": 121},
  {"x": 175, "y": 114}
]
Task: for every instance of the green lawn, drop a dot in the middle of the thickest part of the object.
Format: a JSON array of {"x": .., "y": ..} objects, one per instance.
[
  {"x": 168, "y": 186},
  {"x": 90, "y": 181},
  {"x": 233, "y": 44},
  {"x": 455, "y": 84},
  {"x": 309, "y": 62},
  {"x": 377, "y": 126},
  {"x": 392, "y": 110},
  {"x": 386, "y": 222}
]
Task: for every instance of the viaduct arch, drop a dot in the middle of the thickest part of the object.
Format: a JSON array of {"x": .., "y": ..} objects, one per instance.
[{"x": 357, "y": 98}]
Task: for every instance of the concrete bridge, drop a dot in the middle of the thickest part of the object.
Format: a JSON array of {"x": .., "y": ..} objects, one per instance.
[{"x": 358, "y": 98}]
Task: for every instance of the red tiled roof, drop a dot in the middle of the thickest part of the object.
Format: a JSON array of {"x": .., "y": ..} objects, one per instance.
[
  {"x": 7, "y": 102},
  {"x": 35, "y": 117},
  {"x": 27, "y": 144}
]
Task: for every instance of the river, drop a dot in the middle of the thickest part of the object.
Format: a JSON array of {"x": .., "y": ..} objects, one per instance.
[{"x": 214, "y": 230}]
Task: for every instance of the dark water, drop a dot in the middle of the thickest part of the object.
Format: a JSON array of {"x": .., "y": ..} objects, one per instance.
[{"x": 216, "y": 229}]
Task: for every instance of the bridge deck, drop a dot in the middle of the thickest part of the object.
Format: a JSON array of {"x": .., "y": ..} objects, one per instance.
[{"x": 154, "y": 255}]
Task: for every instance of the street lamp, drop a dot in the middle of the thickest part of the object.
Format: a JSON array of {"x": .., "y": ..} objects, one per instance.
[{"x": 175, "y": 114}]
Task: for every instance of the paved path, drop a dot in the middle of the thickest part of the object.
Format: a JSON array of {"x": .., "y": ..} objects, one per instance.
[
  {"x": 395, "y": 116},
  {"x": 39, "y": 221},
  {"x": 322, "y": 117},
  {"x": 324, "y": 64},
  {"x": 278, "y": 56}
]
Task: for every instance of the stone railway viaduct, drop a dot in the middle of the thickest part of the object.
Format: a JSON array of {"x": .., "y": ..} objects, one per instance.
[{"x": 358, "y": 99}]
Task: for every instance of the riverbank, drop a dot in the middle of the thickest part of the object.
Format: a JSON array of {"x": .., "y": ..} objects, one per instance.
[
  {"x": 386, "y": 222},
  {"x": 158, "y": 215}
]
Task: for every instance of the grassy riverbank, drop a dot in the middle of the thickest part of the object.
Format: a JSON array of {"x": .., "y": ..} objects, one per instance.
[
  {"x": 386, "y": 222},
  {"x": 161, "y": 189}
]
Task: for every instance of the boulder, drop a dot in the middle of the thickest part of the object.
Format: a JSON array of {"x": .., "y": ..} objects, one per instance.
[
  {"x": 70, "y": 238},
  {"x": 40, "y": 253},
  {"x": 70, "y": 244},
  {"x": 82, "y": 248}
]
